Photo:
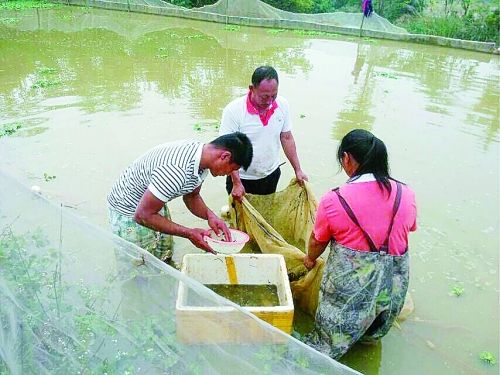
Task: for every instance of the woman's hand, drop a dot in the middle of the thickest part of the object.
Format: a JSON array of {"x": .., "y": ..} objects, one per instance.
[{"x": 309, "y": 263}]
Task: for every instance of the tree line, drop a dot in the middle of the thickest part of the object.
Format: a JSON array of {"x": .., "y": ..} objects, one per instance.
[{"x": 462, "y": 19}]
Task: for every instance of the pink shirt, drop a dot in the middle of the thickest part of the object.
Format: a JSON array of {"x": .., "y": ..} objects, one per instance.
[{"x": 373, "y": 209}]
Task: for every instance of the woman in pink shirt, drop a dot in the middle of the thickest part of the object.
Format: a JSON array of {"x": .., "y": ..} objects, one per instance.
[{"x": 366, "y": 222}]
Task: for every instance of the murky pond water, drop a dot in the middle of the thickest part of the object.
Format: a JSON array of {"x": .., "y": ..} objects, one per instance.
[
  {"x": 245, "y": 294},
  {"x": 93, "y": 89}
]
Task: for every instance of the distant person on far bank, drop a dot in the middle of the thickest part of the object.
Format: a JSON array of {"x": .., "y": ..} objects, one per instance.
[
  {"x": 265, "y": 118},
  {"x": 138, "y": 200}
]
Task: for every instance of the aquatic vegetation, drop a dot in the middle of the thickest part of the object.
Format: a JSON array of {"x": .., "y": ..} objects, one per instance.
[
  {"x": 488, "y": 358},
  {"x": 457, "y": 291},
  {"x": 312, "y": 33},
  {"x": 48, "y": 177},
  {"x": 302, "y": 116},
  {"x": 201, "y": 127},
  {"x": 10, "y": 129},
  {"x": 9, "y": 20},
  {"x": 275, "y": 31},
  {"x": 44, "y": 83},
  {"x": 386, "y": 75},
  {"x": 43, "y": 70},
  {"x": 232, "y": 28}
]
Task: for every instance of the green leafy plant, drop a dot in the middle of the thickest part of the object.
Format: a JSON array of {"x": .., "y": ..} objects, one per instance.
[
  {"x": 386, "y": 75},
  {"x": 201, "y": 127},
  {"x": 46, "y": 70},
  {"x": 9, "y": 129},
  {"x": 232, "y": 28},
  {"x": 275, "y": 31},
  {"x": 48, "y": 177},
  {"x": 488, "y": 358},
  {"x": 457, "y": 291},
  {"x": 302, "y": 116},
  {"x": 311, "y": 33},
  {"x": 44, "y": 83},
  {"x": 9, "y": 20}
]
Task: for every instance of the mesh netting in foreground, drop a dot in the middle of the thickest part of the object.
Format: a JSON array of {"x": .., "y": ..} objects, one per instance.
[{"x": 77, "y": 300}]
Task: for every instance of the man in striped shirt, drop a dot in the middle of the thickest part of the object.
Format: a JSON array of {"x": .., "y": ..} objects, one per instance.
[{"x": 137, "y": 201}]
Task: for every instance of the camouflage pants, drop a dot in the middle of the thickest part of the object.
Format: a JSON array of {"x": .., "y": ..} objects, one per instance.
[
  {"x": 158, "y": 244},
  {"x": 361, "y": 295}
]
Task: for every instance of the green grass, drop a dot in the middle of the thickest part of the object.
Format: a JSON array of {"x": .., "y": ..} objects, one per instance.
[{"x": 481, "y": 27}]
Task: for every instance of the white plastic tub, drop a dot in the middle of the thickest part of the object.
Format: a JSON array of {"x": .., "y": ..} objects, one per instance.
[{"x": 232, "y": 269}]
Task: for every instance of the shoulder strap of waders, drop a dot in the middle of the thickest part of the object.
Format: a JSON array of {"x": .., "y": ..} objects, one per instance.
[
  {"x": 354, "y": 219},
  {"x": 397, "y": 201}
]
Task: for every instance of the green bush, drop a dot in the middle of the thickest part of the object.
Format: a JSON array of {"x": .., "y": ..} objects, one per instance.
[{"x": 480, "y": 25}]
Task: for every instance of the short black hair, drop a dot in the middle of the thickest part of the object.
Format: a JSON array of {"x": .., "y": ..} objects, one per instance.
[
  {"x": 262, "y": 73},
  {"x": 239, "y": 145}
]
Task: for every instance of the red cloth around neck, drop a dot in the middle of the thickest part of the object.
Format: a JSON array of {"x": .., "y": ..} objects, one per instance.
[{"x": 264, "y": 117}]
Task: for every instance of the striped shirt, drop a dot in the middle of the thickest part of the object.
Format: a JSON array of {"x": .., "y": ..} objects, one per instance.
[{"x": 168, "y": 171}]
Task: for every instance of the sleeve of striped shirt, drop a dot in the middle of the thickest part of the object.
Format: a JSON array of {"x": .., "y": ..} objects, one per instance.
[{"x": 167, "y": 182}]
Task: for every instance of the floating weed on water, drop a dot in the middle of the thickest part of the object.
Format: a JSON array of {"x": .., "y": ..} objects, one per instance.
[
  {"x": 9, "y": 129},
  {"x": 162, "y": 52},
  {"x": 9, "y": 20},
  {"x": 488, "y": 357},
  {"x": 311, "y": 33},
  {"x": 66, "y": 17},
  {"x": 232, "y": 28},
  {"x": 275, "y": 31},
  {"x": 201, "y": 127},
  {"x": 386, "y": 75},
  {"x": 44, "y": 83},
  {"x": 457, "y": 291},
  {"x": 47, "y": 177},
  {"x": 302, "y": 116},
  {"x": 45, "y": 70},
  {"x": 196, "y": 36}
]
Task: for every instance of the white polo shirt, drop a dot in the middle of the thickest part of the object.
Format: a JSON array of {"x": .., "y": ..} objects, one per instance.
[{"x": 265, "y": 139}]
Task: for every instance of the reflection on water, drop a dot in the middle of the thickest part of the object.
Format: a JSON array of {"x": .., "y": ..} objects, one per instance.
[{"x": 94, "y": 89}]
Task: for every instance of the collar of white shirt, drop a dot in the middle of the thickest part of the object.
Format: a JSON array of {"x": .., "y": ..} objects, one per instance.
[{"x": 367, "y": 177}]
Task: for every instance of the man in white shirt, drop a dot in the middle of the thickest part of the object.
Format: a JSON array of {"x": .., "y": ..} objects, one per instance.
[{"x": 265, "y": 118}]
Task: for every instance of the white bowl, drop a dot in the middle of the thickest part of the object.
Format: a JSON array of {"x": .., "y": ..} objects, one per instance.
[{"x": 239, "y": 239}]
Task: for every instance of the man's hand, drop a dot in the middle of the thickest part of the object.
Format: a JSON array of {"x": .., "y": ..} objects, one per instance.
[
  {"x": 301, "y": 177},
  {"x": 238, "y": 192},
  {"x": 196, "y": 237},
  {"x": 309, "y": 263},
  {"x": 218, "y": 225}
]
